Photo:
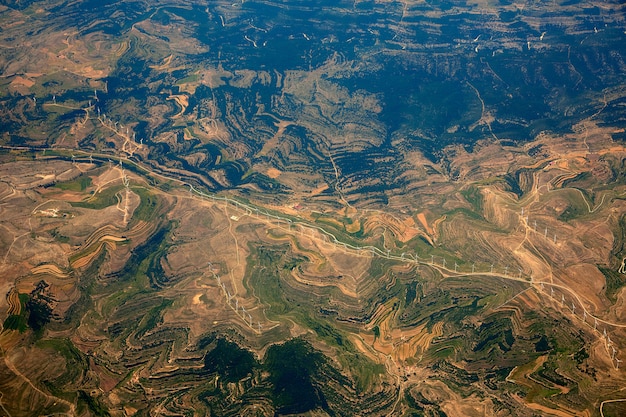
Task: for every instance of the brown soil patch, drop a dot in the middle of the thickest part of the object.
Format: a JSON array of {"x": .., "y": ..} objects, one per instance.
[
  {"x": 196, "y": 299},
  {"x": 21, "y": 81},
  {"x": 166, "y": 63},
  {"x": 273, "y": 173},
  {"x": 422, "y": 218},
  {"x": 319, "y": 190},
  {"x": 353, "y": 227},
  {"x": 553, "y": 412},
  {"x": 183, "y": 101},
  {"x": 49, "y": 269},
  {"x": 274, "y": 142}
]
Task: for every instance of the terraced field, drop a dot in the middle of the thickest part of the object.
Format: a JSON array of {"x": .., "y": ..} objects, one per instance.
[{"x": 288, "y": 208}]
